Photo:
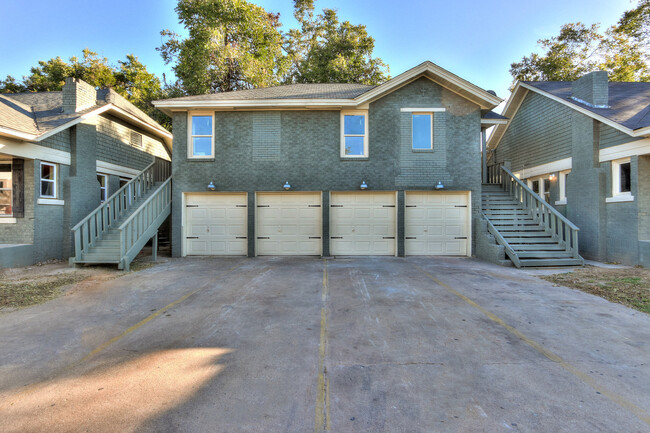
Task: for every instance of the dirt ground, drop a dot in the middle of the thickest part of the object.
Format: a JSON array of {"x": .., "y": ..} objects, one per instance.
[
  {"x": 627, "y": 286},
  {"x": 32, "y": 285}
]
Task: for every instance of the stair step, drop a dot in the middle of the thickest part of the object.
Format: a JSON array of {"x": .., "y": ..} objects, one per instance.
[
  {"x": 531, "y": 240},
  {"x": 551, "y": 262},
  {"x": 538, "y": 247},
  {"x": 519, "y": 228},
  {"x": 544, "y": 254},
  {"x": 100, "y": 257}
]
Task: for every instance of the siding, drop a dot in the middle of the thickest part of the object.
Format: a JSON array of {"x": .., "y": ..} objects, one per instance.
[
  {"x": 539, "y": 133},
  {"x": 613, "y": 137}
]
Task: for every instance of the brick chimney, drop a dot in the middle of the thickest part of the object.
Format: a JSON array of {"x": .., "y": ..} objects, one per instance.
[
  {"x": 592, "y": 88},
  {"x": 77, "y": 95}
]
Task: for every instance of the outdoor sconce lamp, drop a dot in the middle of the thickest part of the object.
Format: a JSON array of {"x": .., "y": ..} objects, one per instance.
[
  {"x": 552, "y": 177},
  {"x": 286, "y": 186},
  {"x": 211, "y": 186},
  {"x": 363, "y": 185},
  {"x": 439, "y": 185}
]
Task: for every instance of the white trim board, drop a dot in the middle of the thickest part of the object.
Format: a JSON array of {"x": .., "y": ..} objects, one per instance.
[
  {"x": 34, "y": 151},
  {"x": 551, "y": 167},
  {"x": 640, "y": 147},
  {"x": 422, "y": 110},
  {"x": 116, "y": 170}
]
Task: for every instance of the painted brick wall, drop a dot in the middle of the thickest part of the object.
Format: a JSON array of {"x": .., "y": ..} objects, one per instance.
[
  {"x": 59, "y": 141},
  {"x": 49, "y": 231},
  {"x": 310, "y": 153},
  {"x": 539, "y": 133},
  {"x": 23, "y": 231},
  {"x": 622, "y": 222}
]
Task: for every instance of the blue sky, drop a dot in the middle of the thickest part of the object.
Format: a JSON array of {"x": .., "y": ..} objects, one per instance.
[{"x": 475, "y": 40}]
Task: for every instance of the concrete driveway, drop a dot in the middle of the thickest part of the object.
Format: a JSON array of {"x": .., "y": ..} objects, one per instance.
[{"x": 342, "y": 345}]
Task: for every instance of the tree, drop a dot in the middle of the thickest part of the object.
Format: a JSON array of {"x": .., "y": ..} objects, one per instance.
[
  {"x": 129, "y": 78},
  {"x": 325, "y": 50},
  {"x": 622, "y": 51},
  {"x": 232, "y": 45}
]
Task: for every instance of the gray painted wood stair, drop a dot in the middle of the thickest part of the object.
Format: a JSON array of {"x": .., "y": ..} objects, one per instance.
[{"x": 533, "y": 243}]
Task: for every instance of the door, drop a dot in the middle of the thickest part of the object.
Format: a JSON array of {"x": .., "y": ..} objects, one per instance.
[
  {"x": 216, "y": 224},
  {"x": 289, "y": 223},
  {"x": 437, "y": 223},
  {"x": 363, "y": 223}
]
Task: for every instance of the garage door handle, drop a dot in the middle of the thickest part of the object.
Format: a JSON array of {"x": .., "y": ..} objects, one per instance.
[
  {"x": 461, "y": 205},
  {"x": 460, "y": 237},
  {"x": 411, "y": 237},
  {"x": 388, "y": 237},
  {"x": 410, "y": 205},
  {"x": 192, "y": 237},
  {"x": 336, "y": 237},
  {"x": 263, "y": 205},
  {"x": 241, "y": 237},
  {"x": 314, "y": 237},
  {"x": 388, "y": 205},
  {"x": 191, "y": 205},
  {"x": 314, "y": 205},
  {"x": 263, "y": 237},
  {"x": 336, "y": 205}
]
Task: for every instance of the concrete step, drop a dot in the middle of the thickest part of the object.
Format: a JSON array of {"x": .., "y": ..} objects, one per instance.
[{"x": 93, "y": 257}]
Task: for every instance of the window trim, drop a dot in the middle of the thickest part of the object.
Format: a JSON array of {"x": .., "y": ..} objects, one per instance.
[
  {"x": 190, "y": 142},
  {"x": 422, "y": 113},
  {"x": 105, "y": 187},
  {"x": 562, "y": 187},
  {"x": 6, "y": 217},
  {"x": 53, "y": 181},
  {"x": 365, "y": 135},
  {"x": 617, "y": 194},
  {"x": 542, "y": 190}
]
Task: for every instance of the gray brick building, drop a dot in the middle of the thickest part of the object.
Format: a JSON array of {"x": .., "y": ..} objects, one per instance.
[
  {"x": 585, "y": 147},
  {"x": 331, "y": 169},
  {"x": 61, "y": 154}
]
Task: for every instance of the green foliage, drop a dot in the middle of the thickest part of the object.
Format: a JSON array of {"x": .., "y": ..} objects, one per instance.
[
  {"x": 129, "y": 78},
  {"x": 622, "y": 51},
  {"x": 325, "y": 50},
  {"x": 232, "y": 45}
]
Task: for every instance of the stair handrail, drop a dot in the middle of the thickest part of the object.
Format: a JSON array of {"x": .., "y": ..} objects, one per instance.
[
  {"x": 134, "y": 231},
  {"x": 501, "y": 240},
  {"x": 92, "y": 228},
  {"x": 560, "y": 227}
]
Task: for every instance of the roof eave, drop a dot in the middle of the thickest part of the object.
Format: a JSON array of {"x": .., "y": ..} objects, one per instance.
[{"x": 12, "y": 133}]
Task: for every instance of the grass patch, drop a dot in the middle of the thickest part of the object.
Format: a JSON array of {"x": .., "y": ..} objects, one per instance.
[
  {"x": 629, "y": 286},
  {"x": 31, "y": 291}
]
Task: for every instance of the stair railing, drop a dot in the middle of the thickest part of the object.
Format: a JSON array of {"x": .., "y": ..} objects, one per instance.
[
  {"x": 142, "y": 225},
  {"x": 553, "y": 221},
  {"x": 501, "y": 240},
  {"x": 93, "y": 227},
  {"x": 494, "y": 174}
]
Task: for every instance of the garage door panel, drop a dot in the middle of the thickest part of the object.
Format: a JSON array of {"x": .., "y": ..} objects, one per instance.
[
  {"x": 436, "y": 222},
  {"x": 362, "y": 223},
  {"x": 215, "y": 224}
]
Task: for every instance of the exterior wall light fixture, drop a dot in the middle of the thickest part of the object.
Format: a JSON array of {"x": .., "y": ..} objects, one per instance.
[
  {"x": 211, "y": 186},
  {"x": 363, "y": 185},
  {"x": 286, "y": 186},
  {"x": 439, "y": 185},
  {"x": 552, "y": 177}
]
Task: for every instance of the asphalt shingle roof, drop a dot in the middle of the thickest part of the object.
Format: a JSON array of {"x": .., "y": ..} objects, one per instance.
[
  {"x": 629, "y": 103},
  {"x": 289, "y": 91}
]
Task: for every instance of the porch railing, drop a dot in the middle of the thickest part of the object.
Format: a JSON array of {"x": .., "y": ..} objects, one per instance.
[{"x": 92, "y": 228}]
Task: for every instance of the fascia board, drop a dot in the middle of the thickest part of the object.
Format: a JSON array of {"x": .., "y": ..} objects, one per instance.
[
  {"x": 509, "y": 111},
  {"x": 16, "y": 134}
]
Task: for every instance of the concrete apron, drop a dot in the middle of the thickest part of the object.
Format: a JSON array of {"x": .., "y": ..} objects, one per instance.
[{"x": 300, "y": 344}]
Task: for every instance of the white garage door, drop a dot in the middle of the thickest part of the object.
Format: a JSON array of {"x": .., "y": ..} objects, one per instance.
[
  {"x": 437, "y": 223},
  {"x": 363, "y": 223},
  {"x": 215, "y": 224},
  {"x": 289, "y": 223}
]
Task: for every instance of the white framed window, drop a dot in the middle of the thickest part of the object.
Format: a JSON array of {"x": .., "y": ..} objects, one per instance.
[
  {"x": 354, "y": 134},
  {"x": 621, "y": 181},
  {"x": 103, "y": 186},
  {"x": 48, "y": 180},
  {"x": 541, "y": 185},
  {"x": 200, "y": 143},
  {"x": 564, "y": 175},
  {"x": 422, "y": 131},
  {"x": 6, "y": 191}
]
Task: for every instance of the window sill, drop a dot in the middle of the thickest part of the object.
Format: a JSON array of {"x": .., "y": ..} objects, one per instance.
[
  {"x": 50, "y": 201},
  {"x": 201, "y": 158},
  {"x": 7, "y": 220},
  {"x": 354, "y": 158},
  {"x": 560, "y": 202},
  {"x": 619, "y": 198},
  {"x": 422, "y": 150}
]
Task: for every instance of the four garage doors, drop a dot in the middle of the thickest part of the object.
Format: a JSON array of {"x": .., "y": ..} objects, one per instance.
[{"x": 361, "y": 223}]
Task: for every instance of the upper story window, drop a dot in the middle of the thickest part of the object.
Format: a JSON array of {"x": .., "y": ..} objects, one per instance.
[
  {"x": 201, "y": 136},
  {"x": 6, "y": 193},
  {"x": 422, "y": 125},
  {"x": 48, "y": 180},
  {"x": 621, "y": 181},
  {"x": 103, "y": 186},
  {"x": 354, "y": 134}
]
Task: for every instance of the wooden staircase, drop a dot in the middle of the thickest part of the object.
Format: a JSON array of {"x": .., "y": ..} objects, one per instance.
[
  {"x": 532, "y": 232},
  {"x": 119, "y": 228}
]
